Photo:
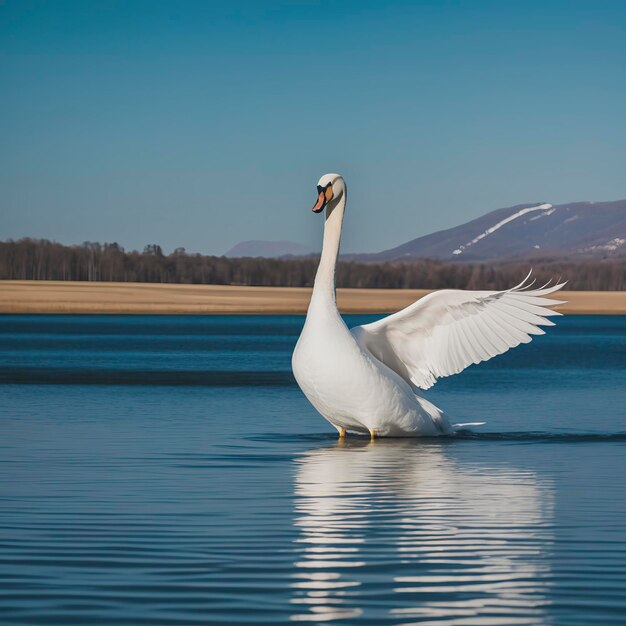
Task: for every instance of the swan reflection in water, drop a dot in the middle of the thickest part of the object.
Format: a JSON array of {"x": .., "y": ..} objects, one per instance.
[{"x": 399, "y": 532}]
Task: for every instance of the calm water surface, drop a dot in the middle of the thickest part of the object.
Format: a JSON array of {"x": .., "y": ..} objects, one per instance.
[{"x": 167, "y": 471}]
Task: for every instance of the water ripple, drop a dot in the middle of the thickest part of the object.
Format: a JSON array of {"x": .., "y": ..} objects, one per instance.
[{"x": 174, "y": 475}]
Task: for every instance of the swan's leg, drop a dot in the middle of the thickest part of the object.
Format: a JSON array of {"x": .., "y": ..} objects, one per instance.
[
  {"x": 342, "y": 432},
  {"x": 372, "y": 434}
]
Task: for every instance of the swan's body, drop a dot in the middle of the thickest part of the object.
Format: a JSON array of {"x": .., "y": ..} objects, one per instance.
[{"x": 364, "y": 380}]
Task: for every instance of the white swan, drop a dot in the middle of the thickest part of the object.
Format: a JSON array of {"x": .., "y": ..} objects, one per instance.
[{"x": 364, "y": 379}]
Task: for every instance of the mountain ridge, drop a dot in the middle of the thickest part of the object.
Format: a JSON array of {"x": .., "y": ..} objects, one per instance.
[
  {"x": 255, "y": 248},
  {"x": 541, "y": 230},
  {"x": 524, "y": 230}
]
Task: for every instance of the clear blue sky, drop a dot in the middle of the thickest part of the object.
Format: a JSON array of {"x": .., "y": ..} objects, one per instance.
[{"x": 201, "y": 124}]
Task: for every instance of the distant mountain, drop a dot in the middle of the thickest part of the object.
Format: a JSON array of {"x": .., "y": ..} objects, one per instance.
[
  {"x": 268, "y": 249},
  {"x": 537, "y": 229},
  {"x": 578, "y": 229}
]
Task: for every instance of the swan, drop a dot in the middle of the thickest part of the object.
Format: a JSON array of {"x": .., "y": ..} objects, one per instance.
[{"x": 365, "y": 379}]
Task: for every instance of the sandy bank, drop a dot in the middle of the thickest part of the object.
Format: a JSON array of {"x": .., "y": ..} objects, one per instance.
[{"x": 84, "y": 297}]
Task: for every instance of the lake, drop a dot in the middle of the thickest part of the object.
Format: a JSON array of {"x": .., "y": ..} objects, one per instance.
[{"x": 168, "y": 471}]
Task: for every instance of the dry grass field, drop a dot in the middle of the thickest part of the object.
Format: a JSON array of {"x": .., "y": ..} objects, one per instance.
[{"x": 102, "y": 297}]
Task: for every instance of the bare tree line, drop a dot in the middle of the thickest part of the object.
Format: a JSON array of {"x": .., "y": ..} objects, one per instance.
[{"x": 40, "y": 259}]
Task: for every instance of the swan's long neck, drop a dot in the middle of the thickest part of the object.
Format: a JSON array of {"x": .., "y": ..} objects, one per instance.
[{"x": 324, "y": 287}]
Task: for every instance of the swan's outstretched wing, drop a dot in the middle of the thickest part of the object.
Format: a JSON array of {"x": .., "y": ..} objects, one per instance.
[{"x": 445, "y": 331}]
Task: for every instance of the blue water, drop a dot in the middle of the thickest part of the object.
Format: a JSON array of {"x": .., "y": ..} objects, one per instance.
[{"x": 168, "y": 471}]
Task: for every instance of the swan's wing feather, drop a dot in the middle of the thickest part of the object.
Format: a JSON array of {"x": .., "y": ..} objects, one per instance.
[{"x": 446, "y": 331}]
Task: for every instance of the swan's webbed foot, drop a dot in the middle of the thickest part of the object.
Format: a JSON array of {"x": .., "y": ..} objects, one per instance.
[
  {"x": 342, "y": 433},
  {"x": 372, "y": 434}
]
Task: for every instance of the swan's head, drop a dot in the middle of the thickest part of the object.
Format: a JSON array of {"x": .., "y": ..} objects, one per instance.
[{"x": 330, "y": 188}]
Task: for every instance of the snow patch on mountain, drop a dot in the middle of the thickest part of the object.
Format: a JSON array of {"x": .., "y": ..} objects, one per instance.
[
  {"x": 609, "y": 246},
  {"x": 495, "y": 227},
  {"x": 548, "y": 212}
]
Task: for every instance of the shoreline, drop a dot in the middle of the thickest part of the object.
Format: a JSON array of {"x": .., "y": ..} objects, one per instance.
[{"x": 73, "y": 297}]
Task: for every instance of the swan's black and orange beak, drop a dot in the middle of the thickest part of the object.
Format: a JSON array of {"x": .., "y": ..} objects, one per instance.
[{"x": 325, "y": 195}]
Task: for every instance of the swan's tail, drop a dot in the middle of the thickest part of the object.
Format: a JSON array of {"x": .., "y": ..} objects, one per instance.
[{"x": 439, "y": 419}]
